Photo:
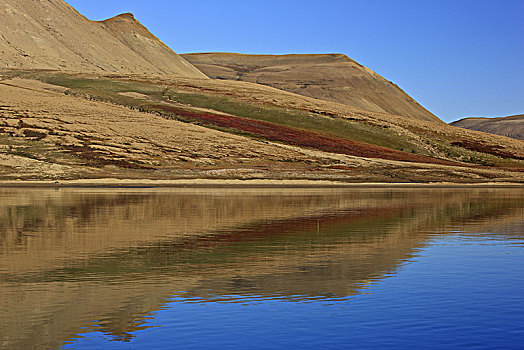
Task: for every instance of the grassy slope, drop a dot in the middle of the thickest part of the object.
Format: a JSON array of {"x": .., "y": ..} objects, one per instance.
[
  {"x": 109, "y": 90},
  {"x": 328, "y": 125}
]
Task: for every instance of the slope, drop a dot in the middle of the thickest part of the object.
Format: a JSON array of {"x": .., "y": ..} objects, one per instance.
[
  {"x": 512, "y": 126},
  {"x": 330, "y": 77},
  {"x": 135, "y": 36},
  {"x": 62, "y": 127},
  {"x": 52, "y": 35}
]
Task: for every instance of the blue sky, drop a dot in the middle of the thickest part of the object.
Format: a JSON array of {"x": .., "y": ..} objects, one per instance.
[{"x": 456, "y": 57}]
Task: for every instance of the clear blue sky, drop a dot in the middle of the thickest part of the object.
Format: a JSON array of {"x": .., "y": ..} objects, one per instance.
[{"x": 456, "y": 57}]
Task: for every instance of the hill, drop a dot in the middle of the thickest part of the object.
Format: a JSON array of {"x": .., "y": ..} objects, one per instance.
[
  {"x": 56, "y": 125},
  {"x": 512, "y": 126},
  {"x": 52, "y": 35},
  {"x": 329, "y": 77},
  {"x": 91, "y": 100}
]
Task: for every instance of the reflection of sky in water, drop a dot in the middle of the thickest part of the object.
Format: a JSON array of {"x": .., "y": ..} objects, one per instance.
[
  {"x": 262, "y": 269},
  {"x": 458, "y": 292}
]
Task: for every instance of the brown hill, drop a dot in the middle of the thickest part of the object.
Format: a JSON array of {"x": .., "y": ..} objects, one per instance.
[
  {"x": 82, "y": 123},
  {"x": 512, "y": 126},
  {"x": 330, "y": 77},
  {"x": 52, "y": 35},
  {"x": 62, "y": 127}
]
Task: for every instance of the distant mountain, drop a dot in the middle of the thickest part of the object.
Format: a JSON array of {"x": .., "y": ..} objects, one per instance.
[
  {"x": 50, "y": 34},
  {"x": 330, "y": 77},
  {"x": 512, "y": 126}
]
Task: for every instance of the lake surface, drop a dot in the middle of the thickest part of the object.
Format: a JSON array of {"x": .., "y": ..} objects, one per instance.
[{"x": 261, "y": 268}]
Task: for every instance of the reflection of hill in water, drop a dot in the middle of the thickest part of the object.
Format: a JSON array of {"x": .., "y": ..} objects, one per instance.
[{"x": 80, "y": 256}]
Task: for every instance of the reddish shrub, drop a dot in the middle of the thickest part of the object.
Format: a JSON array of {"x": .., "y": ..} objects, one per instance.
[{"x": 301, "y": 138}]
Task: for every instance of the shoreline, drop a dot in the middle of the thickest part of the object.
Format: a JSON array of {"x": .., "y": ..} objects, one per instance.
[{"x": 219, "y": 183}]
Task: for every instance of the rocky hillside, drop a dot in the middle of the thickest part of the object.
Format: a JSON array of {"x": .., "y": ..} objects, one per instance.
[
  {"x": 329, "y": 77},
  {"x": 512, "y": 126},
  {"x": 52, "y": 35}
]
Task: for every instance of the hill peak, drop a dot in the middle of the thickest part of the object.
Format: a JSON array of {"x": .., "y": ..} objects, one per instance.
[
  {"x": 51, "y": 34},
  {"x": 332, "y": 77},
  {"x": 127, "y": 15}
]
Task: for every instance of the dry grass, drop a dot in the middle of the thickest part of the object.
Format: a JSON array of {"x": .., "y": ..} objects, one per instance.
[
  {"x": 329, "y": 77},
  {"x": 86, "y": 138}
]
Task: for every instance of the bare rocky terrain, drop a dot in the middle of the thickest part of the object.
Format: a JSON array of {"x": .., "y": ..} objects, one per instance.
[{"x": 512, "y": 126}]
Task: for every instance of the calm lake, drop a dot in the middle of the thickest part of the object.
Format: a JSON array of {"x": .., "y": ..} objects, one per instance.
[{"x": 262, "y": 268}]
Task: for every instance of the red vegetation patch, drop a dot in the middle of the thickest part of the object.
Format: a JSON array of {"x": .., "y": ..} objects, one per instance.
[
  {"x": 300, "y": 138},
  {"x": 483, "y": 148},
  {"x": 97, "y": 159}
]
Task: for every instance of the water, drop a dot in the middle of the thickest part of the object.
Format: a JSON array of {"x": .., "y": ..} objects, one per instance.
[{"x": 262, "y": 269}]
